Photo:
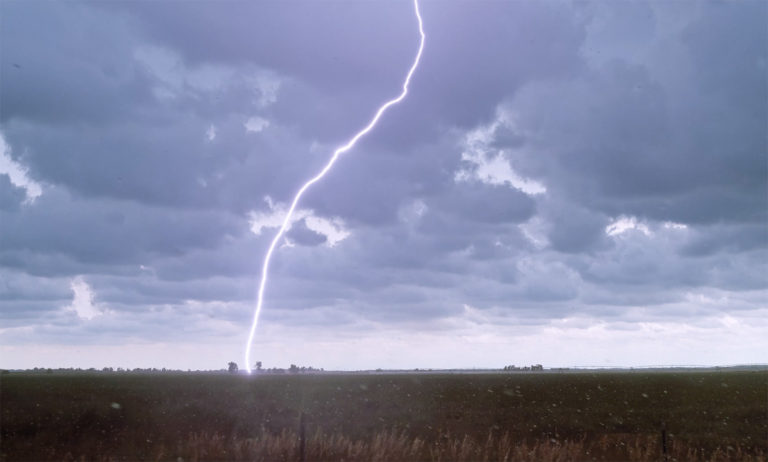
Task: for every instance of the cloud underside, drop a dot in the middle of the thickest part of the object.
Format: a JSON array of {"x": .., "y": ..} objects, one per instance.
[{"x": 600, "y": 162}]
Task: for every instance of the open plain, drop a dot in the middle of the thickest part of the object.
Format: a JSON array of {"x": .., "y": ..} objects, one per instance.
[{"x": 587, "y": 415}]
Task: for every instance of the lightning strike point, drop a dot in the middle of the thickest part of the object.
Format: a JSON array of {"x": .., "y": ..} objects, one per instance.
[{"x": 342, "y": 149}]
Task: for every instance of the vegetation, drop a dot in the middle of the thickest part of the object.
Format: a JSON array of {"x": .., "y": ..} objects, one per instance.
[
  {"x": 719, "y": 415},
  {"x": 232, "y": 367}
]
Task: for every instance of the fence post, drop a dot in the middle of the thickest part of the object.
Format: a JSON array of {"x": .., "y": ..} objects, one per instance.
[{"x": 302, "y": 438}]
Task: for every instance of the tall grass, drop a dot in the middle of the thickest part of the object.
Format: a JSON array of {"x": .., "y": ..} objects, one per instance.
[
  {"x": 396, "y": 445},
  {"x": 422, "y": 417}
]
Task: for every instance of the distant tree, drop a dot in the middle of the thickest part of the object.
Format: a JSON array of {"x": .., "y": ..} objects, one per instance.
[
  {"x": 294, "y": 369},
  {"x": 258, "y": 365},
  {"x": 232, "y": 367}
]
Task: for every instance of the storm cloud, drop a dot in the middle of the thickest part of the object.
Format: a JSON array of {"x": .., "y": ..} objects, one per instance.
[{"x": 556, "y": 170}]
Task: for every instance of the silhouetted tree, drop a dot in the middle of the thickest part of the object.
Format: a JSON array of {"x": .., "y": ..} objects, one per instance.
[
  {"x": 258, "y": 365},
  {"x": 232, "y": 367}
]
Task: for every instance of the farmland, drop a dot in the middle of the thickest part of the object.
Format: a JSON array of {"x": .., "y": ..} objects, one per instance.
[{"x": 706, "y": 415}]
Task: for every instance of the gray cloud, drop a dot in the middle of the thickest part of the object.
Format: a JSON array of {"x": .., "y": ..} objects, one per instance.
[
  {"x": 300, "y": 234},
  {"x": 11, "y": 196},
  {"x": 108, "y": 232}
]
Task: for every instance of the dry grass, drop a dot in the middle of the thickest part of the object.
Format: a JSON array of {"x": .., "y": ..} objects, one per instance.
[
  {"x": 421, "y": 417},
  {"x": 398, "y": 446}
]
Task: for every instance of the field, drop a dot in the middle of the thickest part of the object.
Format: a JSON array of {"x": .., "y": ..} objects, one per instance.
[{"x": 713, "y": 415}]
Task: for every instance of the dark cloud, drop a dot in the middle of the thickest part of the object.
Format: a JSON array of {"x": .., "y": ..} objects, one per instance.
[
  {"x": 488, "y": 203},
  {"x": 85, "y": 79},
  {"x": 102, "y": 232},
  {"x": 300, "y": 234},
  {"x": 27, "y": 295},
  {"x": 574, "y": 229},
  {"x": 625, "y": 141},
  {"x": 714, "y": 239}
]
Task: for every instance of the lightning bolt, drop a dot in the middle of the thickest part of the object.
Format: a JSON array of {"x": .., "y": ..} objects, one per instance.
[{"x": 341, "y": 150}]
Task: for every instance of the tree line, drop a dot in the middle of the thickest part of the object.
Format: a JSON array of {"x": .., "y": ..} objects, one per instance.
[{"x": 258, "y": 368}]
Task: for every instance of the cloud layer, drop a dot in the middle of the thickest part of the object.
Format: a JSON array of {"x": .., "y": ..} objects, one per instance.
[{"x": 568, "y": 175}]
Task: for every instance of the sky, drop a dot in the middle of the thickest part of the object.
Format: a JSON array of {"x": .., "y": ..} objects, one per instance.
[{"x": 566, "y": 183}]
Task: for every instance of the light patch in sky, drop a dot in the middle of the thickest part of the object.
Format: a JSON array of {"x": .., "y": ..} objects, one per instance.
[
  {"x": 479, "y": 338},
  {"x": 265, "y": 85},
  {"x": 495, "y": 169},
  {"x": 491, "y": 165},
  {"x": 672, "y": 225},
  {"x": 333, "y": 229},
  {"x": 165, "y": 66},
  {"x": 412, "y": 213},
  {"x": 18, "y": 173},
  {"x": 82, "y": 301},
  {"x": 211, "y": 133},
  {"x": 256, "y": 124},
  {"x": 535, "y": 231},
  {"x": 274, "y": 217},
  {"x": 174, "y": 78},
  {"x": 624, "y": 224}
]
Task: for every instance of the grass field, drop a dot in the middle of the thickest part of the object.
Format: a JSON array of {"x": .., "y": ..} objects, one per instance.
[{"x": 718, "y": 415}]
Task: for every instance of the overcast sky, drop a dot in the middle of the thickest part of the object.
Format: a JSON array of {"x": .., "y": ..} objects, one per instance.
[{"x": 566, "y": 183}]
